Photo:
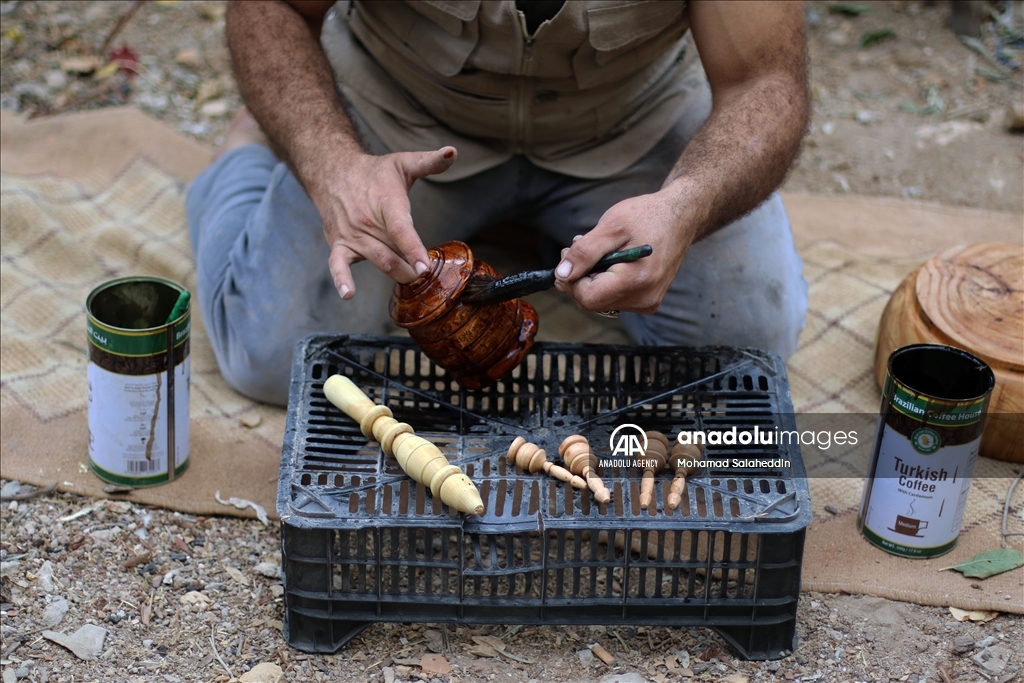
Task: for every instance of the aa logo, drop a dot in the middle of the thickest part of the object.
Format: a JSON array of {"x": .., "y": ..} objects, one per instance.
[{"x": 628, "y": 441}]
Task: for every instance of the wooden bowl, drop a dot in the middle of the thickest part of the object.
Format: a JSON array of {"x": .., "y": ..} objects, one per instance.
[{"x": 970, "y": 297}]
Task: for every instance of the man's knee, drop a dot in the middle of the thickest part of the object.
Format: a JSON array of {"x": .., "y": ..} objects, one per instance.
[{"x": 258, "y": 368}]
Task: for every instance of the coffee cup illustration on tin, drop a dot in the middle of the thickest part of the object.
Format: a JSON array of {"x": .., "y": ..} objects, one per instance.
[{"x": 909, "y": 526}]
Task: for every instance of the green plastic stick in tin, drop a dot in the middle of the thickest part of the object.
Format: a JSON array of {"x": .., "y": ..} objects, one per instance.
[{"x": 179, "y": 306}]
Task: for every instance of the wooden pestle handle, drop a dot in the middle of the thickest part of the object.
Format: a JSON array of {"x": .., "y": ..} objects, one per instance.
[
  {"x": 680, "y": 452},
  {"x": 657, "y": 451},
  {"x": 418, "y": 457}
]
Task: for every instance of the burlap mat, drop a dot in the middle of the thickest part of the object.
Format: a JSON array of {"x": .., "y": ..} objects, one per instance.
[{"x": 91, "y": 196}]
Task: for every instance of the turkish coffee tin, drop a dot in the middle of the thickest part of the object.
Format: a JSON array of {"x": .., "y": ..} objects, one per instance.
[
  {"x": 925, "y": 449},
  {"x": 138, "y": 376}
]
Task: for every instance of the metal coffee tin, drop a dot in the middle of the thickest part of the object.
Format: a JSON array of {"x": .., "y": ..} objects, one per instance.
[
  {"x": 926, "y": 446},
  {"x": 138, "y": 380}
]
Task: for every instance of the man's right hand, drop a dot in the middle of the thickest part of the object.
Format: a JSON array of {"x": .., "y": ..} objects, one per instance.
[
  {"x": 289, "y": 87},
  {"x": 365, "y": 212}
]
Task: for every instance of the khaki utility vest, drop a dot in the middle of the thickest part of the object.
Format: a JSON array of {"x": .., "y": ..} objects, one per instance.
[{"x": 588, "y": 94}]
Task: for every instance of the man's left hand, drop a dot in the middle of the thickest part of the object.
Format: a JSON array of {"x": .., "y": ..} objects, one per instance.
[{"x": 639, "y": 286}]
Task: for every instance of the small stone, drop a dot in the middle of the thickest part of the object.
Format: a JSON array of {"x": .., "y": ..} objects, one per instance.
[
  {"x": 21, "y": 672},
  {"x": 208, "y": 90},
  {"x": 985, "y": 642},
  {"x": 56, "y": 80},
  {"x": 10, "y": 489},
  {"x": 993, "y": 659},
  {"x": 266, "y": 672},
  {"x": 831, "y": 509},
  {"x": 189, "y": 58},
  {"x": 54, "y": 612},
  {"x": 215, "y": 108},
  {"x": 271, "y": 570},
  {"x": 250, "y": 419},
  {"x": 45, "y": 577},
  {"x": 147, "y": 643},
  {"x": 631, "y": 677},
  {"x": 85, "y": 643},
  {"x": 587, "y": 657},
  {"x": 10, "y": 676},
  {"x": 106, "y": 535}
]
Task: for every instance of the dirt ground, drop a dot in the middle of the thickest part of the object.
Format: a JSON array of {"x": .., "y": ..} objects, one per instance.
[{"x": 901, "y": 108}]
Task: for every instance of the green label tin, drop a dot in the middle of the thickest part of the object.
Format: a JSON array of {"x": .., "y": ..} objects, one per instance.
[
  {"x": 925, "y": 450},
  {"x": 138, "y": 329}
]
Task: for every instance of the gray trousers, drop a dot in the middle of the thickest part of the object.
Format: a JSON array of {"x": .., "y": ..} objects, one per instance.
[{"x": 263, "y": 281}]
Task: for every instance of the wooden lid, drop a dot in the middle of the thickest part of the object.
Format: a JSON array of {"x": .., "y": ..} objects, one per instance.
[{"x": 975, "y": 295}]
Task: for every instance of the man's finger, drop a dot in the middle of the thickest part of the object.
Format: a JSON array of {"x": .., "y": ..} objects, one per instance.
[
  {"x": 421, "y": 164},
  {"x": 339, "y": 263},
  {"x": 584, "y": 253},
  {"x": 398, "y": 223}
]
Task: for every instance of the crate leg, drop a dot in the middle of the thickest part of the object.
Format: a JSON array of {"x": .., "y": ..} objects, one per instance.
[{"x": 315, "y": 634}]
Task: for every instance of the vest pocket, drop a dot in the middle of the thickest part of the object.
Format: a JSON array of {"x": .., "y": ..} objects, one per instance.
[
  {"x": 440, "y": 35},
  {"x": 622, "y": 38}
]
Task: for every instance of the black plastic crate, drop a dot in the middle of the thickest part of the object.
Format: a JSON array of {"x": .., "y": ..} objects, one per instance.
[{"x": 364, "y": 543}]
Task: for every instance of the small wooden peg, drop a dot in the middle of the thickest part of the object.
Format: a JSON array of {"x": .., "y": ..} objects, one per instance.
[
  {"x": 654, "y": 461},
  {"x": 681, "y": 452},
  {"x": 581, "y": 461},
  {"x": 533, "y": 459}
]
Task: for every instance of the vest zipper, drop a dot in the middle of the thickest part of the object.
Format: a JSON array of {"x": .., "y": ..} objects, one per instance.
[{"x": 521, "y": 95}]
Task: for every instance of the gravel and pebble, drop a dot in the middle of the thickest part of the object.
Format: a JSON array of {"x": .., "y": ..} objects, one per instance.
[{"x": 108, "y": 591}]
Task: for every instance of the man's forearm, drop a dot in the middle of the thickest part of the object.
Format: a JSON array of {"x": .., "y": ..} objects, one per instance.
[
  {"x": 755, "y": 57},
  {"x": 741, "y": 154},
  {"x": 287, "y": 84}
]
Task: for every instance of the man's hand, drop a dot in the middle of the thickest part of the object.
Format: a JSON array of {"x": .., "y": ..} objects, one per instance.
[
  {"x": 639, "y": 286},
  {"x": 288, "y": 85},
  {"x": 365, "y": 212},
  {"x": 754, "y": 55}
]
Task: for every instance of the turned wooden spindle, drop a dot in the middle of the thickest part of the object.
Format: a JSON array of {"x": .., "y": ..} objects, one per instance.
[
  {"x": 532, "y": 458},
  {"x": 420, "y": 459},
  {"x": 681, "y": 452},
  {"x": 581, "y": 461},
  {"x": 655, "y": 457}
]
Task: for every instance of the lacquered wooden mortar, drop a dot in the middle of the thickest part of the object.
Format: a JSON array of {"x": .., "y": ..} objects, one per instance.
[{"x": 477, "y": 344}]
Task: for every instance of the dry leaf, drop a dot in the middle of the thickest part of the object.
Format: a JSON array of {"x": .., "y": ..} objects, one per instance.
[
  {"x": 489, "y": 641},
  {"x": 976, "y": 615},
  {"x": 108, "y": 70},
  {"x": 237, "y": 575},
  {"x": 241, "y": 504},
  {"x": 435, "y": 665},
  {"x": 483, "y": 651},
  {"x": 194, "y": 598},
  {"x": 145, "y": 614},
  {"x": 671, "y": 662}
]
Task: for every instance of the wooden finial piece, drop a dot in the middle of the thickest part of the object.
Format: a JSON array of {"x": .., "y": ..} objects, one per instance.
[
  {"x": 420, "y": 459},
  {"x": 581, "y": 461},
  {"x": 531, "y": 458}
]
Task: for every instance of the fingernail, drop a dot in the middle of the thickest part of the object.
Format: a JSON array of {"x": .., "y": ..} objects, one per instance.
[
  {"x": 564, "y": 269},
  {"x": 449, "y": 153},
  {"x": 344, "y": 291},
  {"x": 577, "y": 237},
  {"x": 421, "y": 267}
]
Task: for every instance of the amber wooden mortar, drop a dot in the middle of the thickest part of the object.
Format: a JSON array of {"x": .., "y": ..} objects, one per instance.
[{"x": 478, "y": 344}]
